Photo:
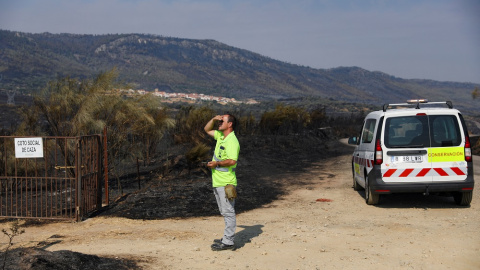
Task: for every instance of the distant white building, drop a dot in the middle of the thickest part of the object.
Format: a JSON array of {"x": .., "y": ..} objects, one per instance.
[{"x": 189, "y": 96}]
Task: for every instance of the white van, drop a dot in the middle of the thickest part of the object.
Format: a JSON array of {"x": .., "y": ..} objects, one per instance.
[{"x": 423, "y": 149}]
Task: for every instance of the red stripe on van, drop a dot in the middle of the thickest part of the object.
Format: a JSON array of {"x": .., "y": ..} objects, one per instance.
[
  {"x": 389, "y": 173},
  {"x": 423, "y": 172},
  {"x": 440, "y": 171},
  {"x": 457, "y": 171},
  {"x": 406, "y": 172}
]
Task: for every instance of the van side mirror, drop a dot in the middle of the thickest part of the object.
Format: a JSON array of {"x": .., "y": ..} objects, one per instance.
[{"x": 353, "y": 140}]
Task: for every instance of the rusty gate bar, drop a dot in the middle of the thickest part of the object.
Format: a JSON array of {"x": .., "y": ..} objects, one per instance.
[
  {"x": 89, "y": 174},
  {"x": 64, "y": 184},
  {"x": 105, "y": 165}
]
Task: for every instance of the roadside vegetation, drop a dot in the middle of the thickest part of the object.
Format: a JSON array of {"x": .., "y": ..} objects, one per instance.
[
  {"x": 146, "y": 135},
  {"x": 143, "y": 130},
  {"x": 168, "y": 139},
  {"x": 11, "y": 233}
]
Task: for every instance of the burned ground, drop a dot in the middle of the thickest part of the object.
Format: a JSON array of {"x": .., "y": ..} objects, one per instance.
[
  {"x": 40, "y": 259},
  {"x": 186, "y": 191}
]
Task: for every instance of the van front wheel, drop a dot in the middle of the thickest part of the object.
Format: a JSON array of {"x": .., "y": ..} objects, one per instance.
[
  {"x": 463, "y": 198},
  {"x": 370, "y": 197}
]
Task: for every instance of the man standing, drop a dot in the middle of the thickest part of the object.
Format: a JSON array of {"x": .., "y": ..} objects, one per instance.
[{"x": 224, "y": 179}]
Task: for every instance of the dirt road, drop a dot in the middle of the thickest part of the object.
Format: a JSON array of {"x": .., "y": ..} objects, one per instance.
[{"x": 322, "y": 224}]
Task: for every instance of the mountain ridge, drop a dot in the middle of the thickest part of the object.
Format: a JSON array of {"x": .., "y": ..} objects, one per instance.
[{"x": 145, "y": 61}]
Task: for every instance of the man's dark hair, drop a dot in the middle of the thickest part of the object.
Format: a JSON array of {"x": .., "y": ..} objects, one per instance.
[{"x": 232, "y": 119}]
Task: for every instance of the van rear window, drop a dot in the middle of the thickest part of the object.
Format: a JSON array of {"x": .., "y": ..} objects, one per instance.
[
  {"x": 445, "y": 131},
  {"x": 420, "y": 131}
]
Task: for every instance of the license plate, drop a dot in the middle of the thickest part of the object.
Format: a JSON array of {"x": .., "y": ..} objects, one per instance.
[{"x": 407, "y": 159}]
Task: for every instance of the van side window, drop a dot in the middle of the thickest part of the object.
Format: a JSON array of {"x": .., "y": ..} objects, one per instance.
[
  {"x": 445, "y": 131},
  {"x": 368, "y": 131}
]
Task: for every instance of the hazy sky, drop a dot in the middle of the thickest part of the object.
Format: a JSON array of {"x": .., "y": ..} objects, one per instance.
[{"x": 424, "y": 39}]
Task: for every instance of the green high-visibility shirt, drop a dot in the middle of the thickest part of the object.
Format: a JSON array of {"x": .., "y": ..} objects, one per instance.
[{"x": 226, "y": 148}]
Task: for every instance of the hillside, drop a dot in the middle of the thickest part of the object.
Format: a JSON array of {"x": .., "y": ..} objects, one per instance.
[{"x": 28, "y": 61}]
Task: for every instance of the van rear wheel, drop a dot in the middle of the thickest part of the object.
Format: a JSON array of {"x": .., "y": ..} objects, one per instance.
[
  {"x": 356, "y": 186},
  {"x": 370, "y": 197},
  {"x": 463, "y": 198}
]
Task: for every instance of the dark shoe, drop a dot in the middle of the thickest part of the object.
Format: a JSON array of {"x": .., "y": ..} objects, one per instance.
[
  {"x": 221, "y": 246},
  {"x": 218, "y": 241}
]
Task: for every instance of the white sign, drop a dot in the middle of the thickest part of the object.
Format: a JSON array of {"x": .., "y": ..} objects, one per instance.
[{"x": 28, "y": 148}]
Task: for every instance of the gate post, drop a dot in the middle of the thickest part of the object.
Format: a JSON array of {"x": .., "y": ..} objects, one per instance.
[
  {"x": 98, "y": 165},
  {"x": 78, "y": 172},
  {"x": 105, "y": 165}
]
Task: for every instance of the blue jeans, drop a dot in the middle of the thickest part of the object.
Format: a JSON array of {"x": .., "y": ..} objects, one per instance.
[{"x": 227, "y": 210}]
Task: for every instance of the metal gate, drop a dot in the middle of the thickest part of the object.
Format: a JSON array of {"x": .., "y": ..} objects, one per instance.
[{"x": 64, "y": 183}]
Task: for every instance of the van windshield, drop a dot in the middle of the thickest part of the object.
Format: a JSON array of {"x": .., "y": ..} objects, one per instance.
[{"x": 421, "y": 131}]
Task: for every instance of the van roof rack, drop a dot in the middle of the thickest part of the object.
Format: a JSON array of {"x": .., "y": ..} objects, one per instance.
[{"x": 416, "y": 103}]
